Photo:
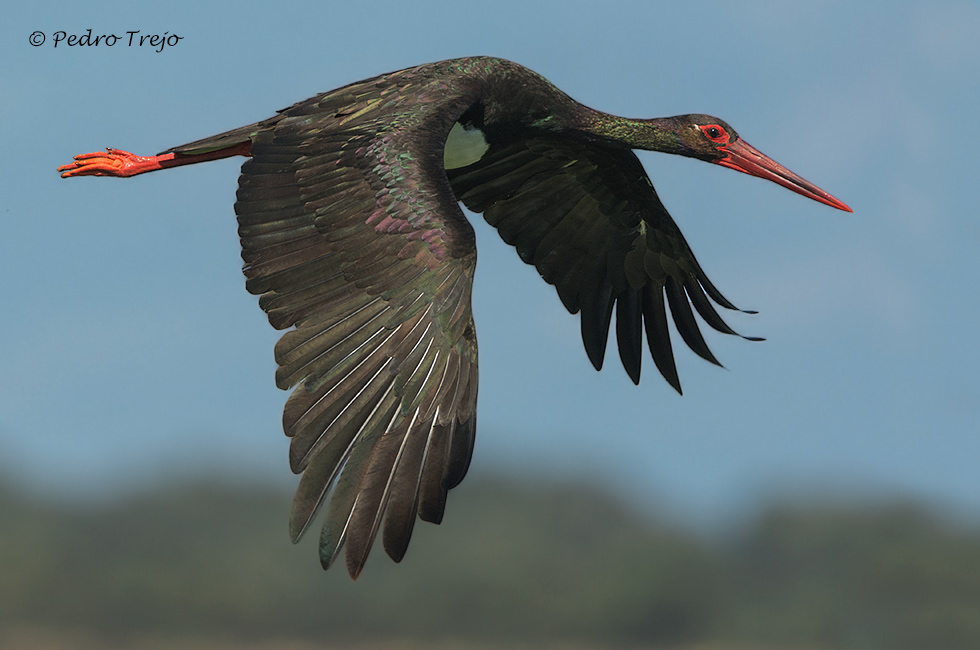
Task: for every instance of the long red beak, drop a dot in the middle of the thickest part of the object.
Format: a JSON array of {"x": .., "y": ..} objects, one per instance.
[{"x": 749, "y": 160}]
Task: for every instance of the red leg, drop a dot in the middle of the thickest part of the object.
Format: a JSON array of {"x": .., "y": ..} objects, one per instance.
[{"x": 116, "y": 162}]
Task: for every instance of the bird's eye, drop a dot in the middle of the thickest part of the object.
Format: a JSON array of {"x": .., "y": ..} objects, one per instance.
[{"x": 715, "y": 133}]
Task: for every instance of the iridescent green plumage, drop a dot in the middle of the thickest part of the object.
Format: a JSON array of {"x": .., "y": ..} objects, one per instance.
[{"x": 352, "y": 235}]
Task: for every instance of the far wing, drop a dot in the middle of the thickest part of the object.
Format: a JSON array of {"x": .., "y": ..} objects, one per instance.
[{"x": 588, "y": 218}]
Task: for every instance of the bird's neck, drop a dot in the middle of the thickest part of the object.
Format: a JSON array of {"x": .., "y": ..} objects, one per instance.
[{"x": 655, "y": 134}]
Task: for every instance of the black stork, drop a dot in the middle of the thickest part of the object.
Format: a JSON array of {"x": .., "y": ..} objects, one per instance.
[{"x": 352, "y": 235}]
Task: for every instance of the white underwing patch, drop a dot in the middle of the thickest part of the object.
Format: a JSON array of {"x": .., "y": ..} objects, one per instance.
[{"x": 464, "y": 146}]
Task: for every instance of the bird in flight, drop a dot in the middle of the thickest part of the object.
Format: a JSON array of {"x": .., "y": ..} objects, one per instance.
[{"x": 353, "y": 238}]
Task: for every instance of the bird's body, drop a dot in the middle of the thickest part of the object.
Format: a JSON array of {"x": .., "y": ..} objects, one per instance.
[{"x": 352, "y": 235}]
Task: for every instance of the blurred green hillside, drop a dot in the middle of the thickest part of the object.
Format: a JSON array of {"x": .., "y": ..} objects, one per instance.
[{"x": 515, "y": 564}]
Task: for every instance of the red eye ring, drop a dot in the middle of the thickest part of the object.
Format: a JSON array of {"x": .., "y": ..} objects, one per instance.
[{"x": 715, "y": 133}]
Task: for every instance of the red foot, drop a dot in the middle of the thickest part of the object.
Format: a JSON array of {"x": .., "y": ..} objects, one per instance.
[
  {"x": 113, "y": 162},
  {"x": 116, "y": 162}
]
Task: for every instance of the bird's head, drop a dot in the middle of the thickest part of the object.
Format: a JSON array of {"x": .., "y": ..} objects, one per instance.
[{"x": 713, "y": 140}]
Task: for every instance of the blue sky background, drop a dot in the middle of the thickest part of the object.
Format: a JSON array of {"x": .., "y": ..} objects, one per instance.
[{"x": 131, "y": 351}]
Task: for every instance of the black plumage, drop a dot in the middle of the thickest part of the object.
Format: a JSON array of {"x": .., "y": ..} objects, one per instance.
[{"x": 353, "y": 238}]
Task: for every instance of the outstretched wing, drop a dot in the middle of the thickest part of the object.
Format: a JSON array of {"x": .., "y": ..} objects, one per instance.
[
  {"x": 353, "y": 238},
  {"x": 588, "y": 218}
]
